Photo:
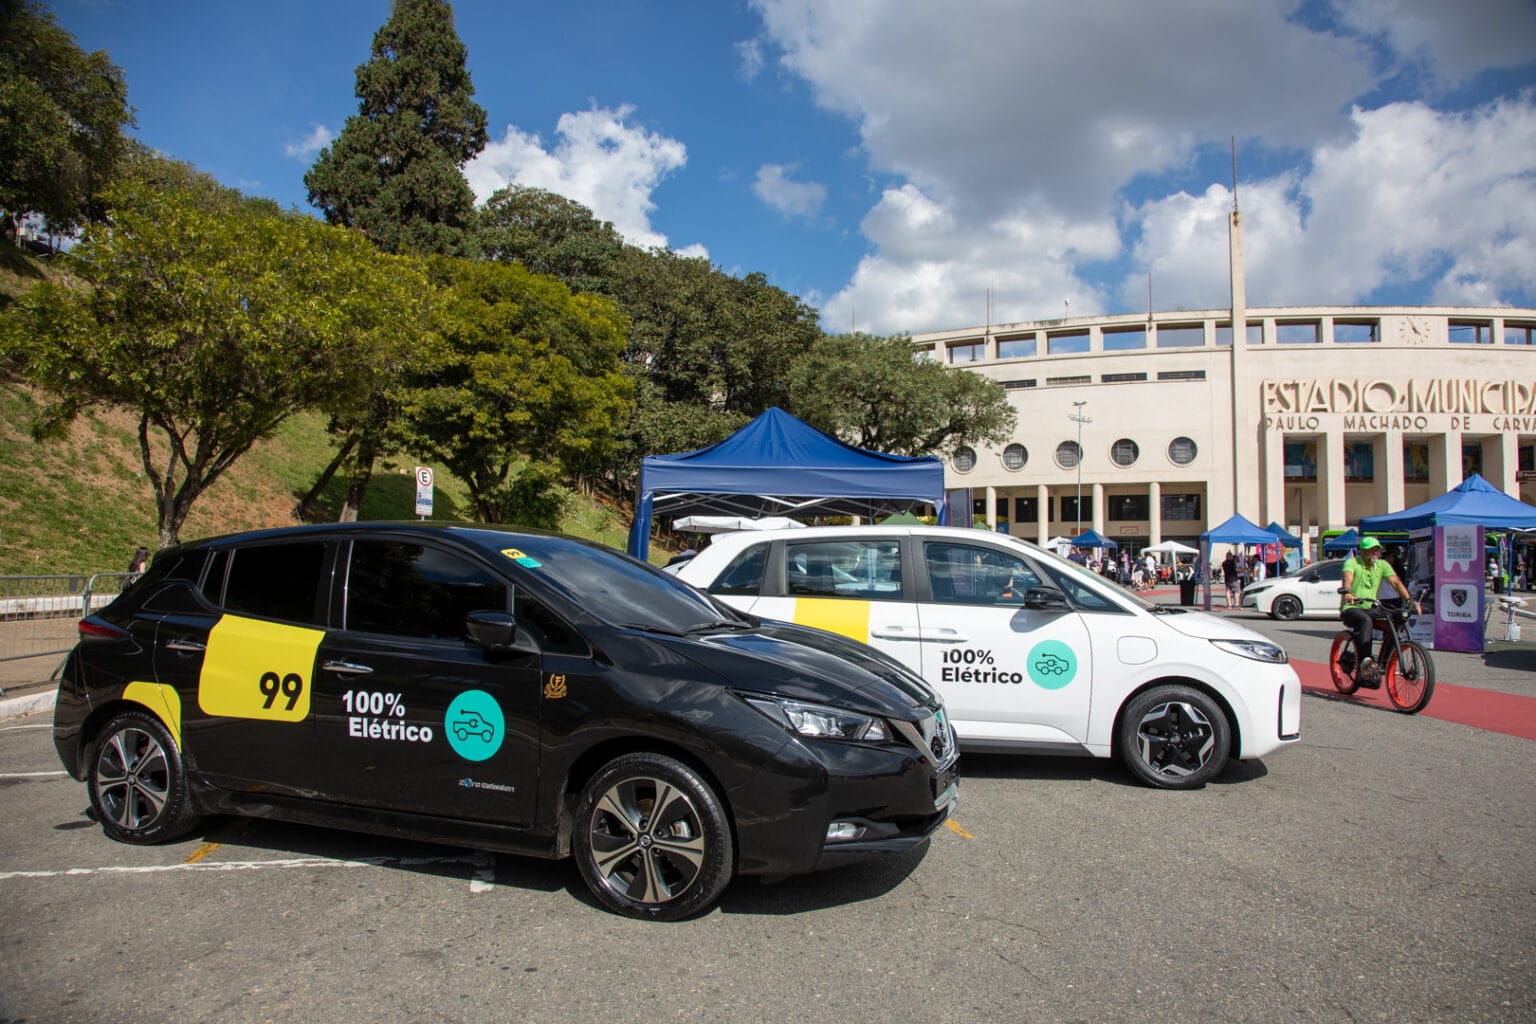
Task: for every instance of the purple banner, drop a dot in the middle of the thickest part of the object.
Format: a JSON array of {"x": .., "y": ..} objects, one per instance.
[{"x": 1458, "y": 593}]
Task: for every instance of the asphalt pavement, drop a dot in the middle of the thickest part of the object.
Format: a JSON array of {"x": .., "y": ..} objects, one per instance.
[{"x": 1379, "y": 870}]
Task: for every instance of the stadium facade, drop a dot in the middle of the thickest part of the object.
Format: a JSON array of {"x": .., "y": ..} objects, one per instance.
[{"x": 1310, "y": 416}]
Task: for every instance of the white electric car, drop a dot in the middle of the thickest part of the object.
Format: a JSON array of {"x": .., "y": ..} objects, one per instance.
[
  {"x": 1313, "y": 591},
  {"x": 1030, "y": 651}
]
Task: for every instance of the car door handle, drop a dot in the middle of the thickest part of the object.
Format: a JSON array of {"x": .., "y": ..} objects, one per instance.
[
  {"x": 185, "y": 646},
  {"x": 892, "y": 633},
  {"x": 944, "y": 636},
  {"x": 346, "y": 668}
]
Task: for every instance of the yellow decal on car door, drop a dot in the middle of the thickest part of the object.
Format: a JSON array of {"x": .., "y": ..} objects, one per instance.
[
  {"x": 835, "y": 615},
  {"x": 256, "y": 669}
]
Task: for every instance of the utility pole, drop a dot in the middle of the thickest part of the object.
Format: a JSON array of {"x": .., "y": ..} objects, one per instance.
[{"x": 1076, "y": 416}]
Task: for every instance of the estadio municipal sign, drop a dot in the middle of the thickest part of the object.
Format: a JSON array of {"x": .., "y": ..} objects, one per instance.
[{"x": 1416, "y": 404}]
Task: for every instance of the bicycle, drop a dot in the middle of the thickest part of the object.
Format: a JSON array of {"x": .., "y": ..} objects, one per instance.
[{"x": 1407, "y": 672}]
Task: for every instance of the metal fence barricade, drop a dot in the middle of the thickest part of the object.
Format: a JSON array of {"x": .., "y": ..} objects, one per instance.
[{"x": 39, "y": 614}]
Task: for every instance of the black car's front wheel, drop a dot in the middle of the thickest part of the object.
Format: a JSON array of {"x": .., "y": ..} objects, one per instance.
[
  {"x": 1286, "y": 608},
  {"x": 1174, "y": 737},
  {"x": 137, "y": 783},
  {"x": 652, "y": 838}
]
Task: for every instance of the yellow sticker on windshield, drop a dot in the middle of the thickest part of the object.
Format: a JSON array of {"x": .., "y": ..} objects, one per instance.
[{"x": 256, "y": 669}]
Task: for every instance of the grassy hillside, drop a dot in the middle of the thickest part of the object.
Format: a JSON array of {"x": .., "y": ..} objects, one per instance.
[{"x": 81, "y": 504}]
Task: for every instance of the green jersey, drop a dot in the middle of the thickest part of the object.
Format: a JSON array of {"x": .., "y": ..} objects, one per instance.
[{"x": 1366, "y": 581}]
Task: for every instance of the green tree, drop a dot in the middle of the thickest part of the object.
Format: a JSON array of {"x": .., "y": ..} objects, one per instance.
[
  {"x": 213, "y": 317},
  {"x": 549, "y": 234},
  {"x": 523, "y": 388},
  {"x": 62, "y": 114},
  {"x": 396, "y": 169},
  {"x": 872, "y": 392}
]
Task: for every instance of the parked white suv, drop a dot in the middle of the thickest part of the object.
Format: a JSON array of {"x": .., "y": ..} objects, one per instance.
[{"x": 1030, "y": 652}]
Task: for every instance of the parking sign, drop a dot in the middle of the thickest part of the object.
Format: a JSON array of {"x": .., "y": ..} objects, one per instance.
[{"x": 423, "y": 491}]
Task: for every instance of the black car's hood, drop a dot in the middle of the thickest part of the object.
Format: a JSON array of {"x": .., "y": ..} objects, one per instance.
[{"x": 810, "y": 665}]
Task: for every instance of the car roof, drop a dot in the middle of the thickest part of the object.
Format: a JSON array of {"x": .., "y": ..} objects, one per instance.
[{"x": 488, "y": 536}]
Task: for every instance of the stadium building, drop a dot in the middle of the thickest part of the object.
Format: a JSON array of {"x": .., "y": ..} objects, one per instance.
[{"x": 1157, "y": 426}]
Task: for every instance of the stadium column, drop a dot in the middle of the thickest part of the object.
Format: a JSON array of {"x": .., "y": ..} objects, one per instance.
[
  {"x": 1043, "y": 513},
  {"x": 1155, "y": 512},
  {"x": 1387, "y": 469},
  {"x": 991, "y": 508},
  {"x": 1098, "y": 507},
  {"x": 1501, "y": 462},
  {"x": 1444, "y": 462},
  {"x": 1272, "y": 456},
  {"x": 1332, "y": 511}
]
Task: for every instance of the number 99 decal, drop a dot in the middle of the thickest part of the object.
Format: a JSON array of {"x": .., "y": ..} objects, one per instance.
[{"x": 255, "y": 669}]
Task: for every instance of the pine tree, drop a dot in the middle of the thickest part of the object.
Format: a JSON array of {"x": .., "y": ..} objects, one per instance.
[{"x": 396, "y": 169}]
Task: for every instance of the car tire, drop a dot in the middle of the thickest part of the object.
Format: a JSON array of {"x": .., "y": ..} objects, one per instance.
[
  {"x": 638, "y": 866},
  {"x": 1286, "y": 607},
  {"x": 137, "y": 783},
  {"x": 1174, "y": 737}
]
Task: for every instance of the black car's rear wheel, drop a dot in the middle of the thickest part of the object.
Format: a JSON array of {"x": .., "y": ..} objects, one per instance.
[
  {"x": 137, "y": 782},
  {"x": 1286, "y": 607},
  {"x": 652, "y": 838}
]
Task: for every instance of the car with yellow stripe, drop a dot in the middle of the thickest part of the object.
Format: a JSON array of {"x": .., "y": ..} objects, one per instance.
[
  {"x": 1029, "y": 651},
  {"x": 508, "y": 690}
]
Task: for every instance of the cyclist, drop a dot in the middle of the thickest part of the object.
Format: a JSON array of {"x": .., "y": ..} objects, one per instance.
[{"x": 1363, "y": 575}]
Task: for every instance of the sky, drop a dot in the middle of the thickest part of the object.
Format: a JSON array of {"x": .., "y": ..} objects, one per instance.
[{"x": 908, "y": 165}]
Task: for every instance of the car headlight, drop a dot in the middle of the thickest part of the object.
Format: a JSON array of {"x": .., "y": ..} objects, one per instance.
[
  {"x": 1256, "y": 650},
  {"x": 821, "y": 722}
]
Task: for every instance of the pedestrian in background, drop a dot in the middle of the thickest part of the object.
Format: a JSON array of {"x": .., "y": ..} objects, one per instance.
[{"x": 139, "y": 563}]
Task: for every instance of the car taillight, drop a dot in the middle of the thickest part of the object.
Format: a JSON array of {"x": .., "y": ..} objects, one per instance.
[{"x": 96, "y": 629}]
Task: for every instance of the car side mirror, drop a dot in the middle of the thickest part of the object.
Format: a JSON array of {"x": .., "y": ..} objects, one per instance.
[
  {"x": 498, "y": 631},
  {"x": 1044, "y": 599}
]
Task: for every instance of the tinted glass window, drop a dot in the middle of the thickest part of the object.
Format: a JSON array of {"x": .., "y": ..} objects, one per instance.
[
  {"x": 406, "y": 589},
  {"x": 745, "y": 573},
  {"x": 553, "y": 634},
  {"x": 967, "y": 574},
  {"x": 868, "y": 569},
  {"x": 277, "y": 581},
  {"x": 213, "y": 583},
  {"x": 603, "y": 583},
  {"x": 1333, "y": 573}
]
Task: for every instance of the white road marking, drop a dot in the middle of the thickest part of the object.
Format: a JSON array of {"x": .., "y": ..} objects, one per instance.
[
  {"x": 485, "y": 873},
  {"x": 19, "y": 728},
  {"x": 242, "y": 865},
  {"x": 32, "y": 775}
]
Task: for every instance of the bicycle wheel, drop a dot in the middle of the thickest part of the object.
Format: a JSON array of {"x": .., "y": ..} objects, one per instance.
[
  {"x": 1410, "y": 678},
  {"x": 1343, "y": 681}
]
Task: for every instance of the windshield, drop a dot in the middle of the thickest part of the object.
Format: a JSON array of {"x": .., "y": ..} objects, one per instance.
[{"x": 611, "y": 587}]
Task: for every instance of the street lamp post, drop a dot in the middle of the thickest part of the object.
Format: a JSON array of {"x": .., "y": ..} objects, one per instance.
[{"x": 1076, "y": 416}]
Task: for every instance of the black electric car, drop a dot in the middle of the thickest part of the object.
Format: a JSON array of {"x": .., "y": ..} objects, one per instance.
[{"x": 509, "y": 690}]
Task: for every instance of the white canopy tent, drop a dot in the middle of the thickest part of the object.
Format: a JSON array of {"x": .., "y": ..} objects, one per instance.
[
  {"x": 1060, "y": 545},
  {"x": 728, "y": 524},
  {"x": 1171, "y": 547}
]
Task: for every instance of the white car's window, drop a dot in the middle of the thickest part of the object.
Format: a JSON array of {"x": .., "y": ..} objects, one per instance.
[
  {"x": 868, "y": 568},
  {"x": 744, "y": 576},
  {"x": 967, "y": 574}
]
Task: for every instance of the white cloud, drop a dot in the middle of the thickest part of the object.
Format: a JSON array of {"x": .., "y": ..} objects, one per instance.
[
  {"x": 318, "y": 138},
  {"x": 796, "y": 198},
  {"x": 600, "y": 160},
  {"x": 1046, "y": 148},
  {"x": 749, "y": 54},
  {"x": 1454, "y": 40},
  {"x": 1415, "y": 195}
]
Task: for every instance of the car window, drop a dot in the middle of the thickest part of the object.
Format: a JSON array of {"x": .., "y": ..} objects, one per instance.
[
  {"x": 277, "y": 581},
  {"x": 555, "y": 636},
  {"x": 1333, "y": 573},
  {"x": 745, "y": 573},
  {"x": 864, "y": 568},
  {"x": 971, "y": 574},
  {"x": 407, "y": 589}
]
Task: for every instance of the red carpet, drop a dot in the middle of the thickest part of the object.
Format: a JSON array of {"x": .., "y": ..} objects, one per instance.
[{"x": 1509, "y": 713}]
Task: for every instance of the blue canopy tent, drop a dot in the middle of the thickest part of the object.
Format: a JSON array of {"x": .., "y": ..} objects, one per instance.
[
  {"x": 1237, "y": 530},
  {"x": 777, "y": 465},
  {"x": 1474, "y": 502},
  {"x": 1093, "y": 539},
  {"x": 1287, "y": 538},
  {"x": 1346, "y": 541}
]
